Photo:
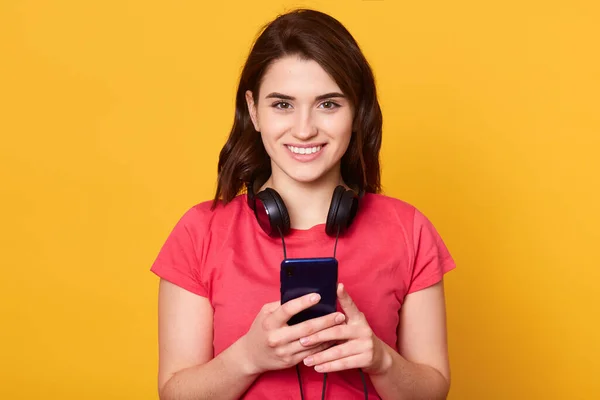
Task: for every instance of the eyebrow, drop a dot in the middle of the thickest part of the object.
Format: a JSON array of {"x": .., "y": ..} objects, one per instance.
[{"x": 276, "y": 95}]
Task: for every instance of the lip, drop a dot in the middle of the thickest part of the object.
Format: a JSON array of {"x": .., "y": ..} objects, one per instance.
[
  {"x": 305, "y": 146},
  {"x": 305, "y": 157}
]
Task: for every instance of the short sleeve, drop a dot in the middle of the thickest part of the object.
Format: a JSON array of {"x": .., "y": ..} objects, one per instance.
[
  {"x": 178, "y": 259},
  {"x": 431, "y": 256}
]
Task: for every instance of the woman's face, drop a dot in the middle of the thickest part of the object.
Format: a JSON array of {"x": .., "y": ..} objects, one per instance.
[{"x": 304, "y": 119}]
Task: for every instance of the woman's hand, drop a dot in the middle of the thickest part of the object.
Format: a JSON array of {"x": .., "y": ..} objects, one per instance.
[
  {"x": 271, "y": 344},
  {"x": 358, "y": 348}
]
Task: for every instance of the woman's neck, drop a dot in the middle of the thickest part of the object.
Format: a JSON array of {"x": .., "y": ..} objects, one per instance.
[{"x": 307, "y": 203}]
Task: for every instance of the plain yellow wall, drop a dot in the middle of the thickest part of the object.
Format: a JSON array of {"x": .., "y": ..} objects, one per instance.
[{"x": 112, "y": 114}]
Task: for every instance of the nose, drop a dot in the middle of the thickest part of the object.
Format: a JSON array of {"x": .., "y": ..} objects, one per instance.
[{"x": 304, "y": 126}]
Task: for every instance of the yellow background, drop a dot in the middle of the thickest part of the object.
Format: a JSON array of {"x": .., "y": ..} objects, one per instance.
[{"x": 112, "y": 115}]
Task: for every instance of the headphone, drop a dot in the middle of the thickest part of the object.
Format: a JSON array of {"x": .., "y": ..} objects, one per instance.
[{"x": 273, "y": 217}]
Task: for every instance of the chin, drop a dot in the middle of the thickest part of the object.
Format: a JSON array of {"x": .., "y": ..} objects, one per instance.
[
  {"x": 306, "y": 175},
  {"x": 305, "y": 178}
]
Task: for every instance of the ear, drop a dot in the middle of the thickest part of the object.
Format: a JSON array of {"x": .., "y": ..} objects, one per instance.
[{"x": 252, "y": 109}]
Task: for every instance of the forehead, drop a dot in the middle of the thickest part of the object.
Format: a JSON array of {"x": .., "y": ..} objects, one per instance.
[{"x": 297, "y": 77}]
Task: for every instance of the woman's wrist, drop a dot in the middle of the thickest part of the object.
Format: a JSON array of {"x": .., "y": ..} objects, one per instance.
[
  {"x": 241, "y": 355},
  {"x": 386, "y": 360}
]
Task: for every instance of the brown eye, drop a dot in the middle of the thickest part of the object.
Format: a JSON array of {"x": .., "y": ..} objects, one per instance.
[
  {"x": 282, "y": 105},
  {"x": 329, "y": 105}
]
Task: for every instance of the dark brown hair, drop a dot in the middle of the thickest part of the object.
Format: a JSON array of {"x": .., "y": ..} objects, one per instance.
[{"x": 311, "y": 35}]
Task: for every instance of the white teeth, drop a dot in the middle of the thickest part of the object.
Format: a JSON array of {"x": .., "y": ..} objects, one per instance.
[{"x": 305, "y": 150}]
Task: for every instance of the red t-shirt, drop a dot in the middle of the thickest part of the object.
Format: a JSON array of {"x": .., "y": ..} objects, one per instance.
[{"x": 390, "y": 250}]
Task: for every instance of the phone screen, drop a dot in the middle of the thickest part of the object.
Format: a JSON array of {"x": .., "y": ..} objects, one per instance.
[{"x": 301, "y": 276}]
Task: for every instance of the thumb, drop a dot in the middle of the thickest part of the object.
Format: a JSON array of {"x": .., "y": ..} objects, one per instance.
[
  {"x": 348, "y": 306},
  {"x": 269, "y": 308}
]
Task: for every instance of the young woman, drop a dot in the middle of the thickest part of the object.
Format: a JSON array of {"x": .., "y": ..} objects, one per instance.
[{"x": 305, "y": 141}]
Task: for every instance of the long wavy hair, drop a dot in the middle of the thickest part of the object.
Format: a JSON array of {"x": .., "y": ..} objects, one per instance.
[{"x": 310, "y": 35}]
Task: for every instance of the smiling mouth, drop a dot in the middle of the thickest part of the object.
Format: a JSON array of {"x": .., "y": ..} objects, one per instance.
[{"x": 305, "y": 150}]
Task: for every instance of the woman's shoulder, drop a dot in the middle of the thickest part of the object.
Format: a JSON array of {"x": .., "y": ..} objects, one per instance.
[
  {"x": 396, "y": 213},
  {"x": 209, "y": 211},
  {"x": 387, "y": 206},
  {"x": 219, "y": 206}
]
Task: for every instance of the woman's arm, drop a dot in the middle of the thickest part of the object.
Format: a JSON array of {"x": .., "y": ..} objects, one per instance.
[
  {"x": 421, "y": 370},
  {"x": 187, "y": 369}
]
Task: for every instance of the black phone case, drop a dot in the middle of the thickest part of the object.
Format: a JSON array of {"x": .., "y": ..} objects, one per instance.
[{"x": 301, "y": 276}]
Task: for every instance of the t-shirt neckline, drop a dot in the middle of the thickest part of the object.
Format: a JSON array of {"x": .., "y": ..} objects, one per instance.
[{"x": 315, "y": 231}]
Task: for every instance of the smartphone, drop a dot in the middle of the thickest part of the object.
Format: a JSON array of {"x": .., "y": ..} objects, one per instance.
[{"x": 301, "y": 276}]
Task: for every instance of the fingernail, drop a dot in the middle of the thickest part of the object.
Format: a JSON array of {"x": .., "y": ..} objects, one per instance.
[
  {"x": 308, "y": 361},
  {"x": 340, "y": 318},
  {"x": 303, "y": 340},
  {"x": 319, "y": 368},
  {"x": 314, "y": 298}
]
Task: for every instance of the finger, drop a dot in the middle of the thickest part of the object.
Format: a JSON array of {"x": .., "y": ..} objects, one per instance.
[
  {"x": 347, "y": 304},
  {"x": 300, "y": 356},
  {"x": 336, "y": 353},
  {"x": 334, "y": 333},
  {"x": 294, "y": 333},
  {"x": 287, "y": 310},
  {"x": 296, "y": 348},
  {"x": 352, "y": 362},
  {"x": 300, "y": 332},
  {"x": 270, "y": 307}
]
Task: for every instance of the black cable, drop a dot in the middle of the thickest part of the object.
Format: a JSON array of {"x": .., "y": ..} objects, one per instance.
[
  {"x": 324, "y": 384},
  {"x": 364, "y": 382},
  {"x": 362, "y": 375},
  {"x": 362, "y": 378},
  {"x": 336, "y": 241},
  {"x": 282, "y": 242},
  {"x": 299, "y": 381}
]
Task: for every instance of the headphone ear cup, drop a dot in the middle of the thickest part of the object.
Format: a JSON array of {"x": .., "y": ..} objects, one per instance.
[
  {"x": 284, "y": 221},
  {"x": 331, "y": 225},
  {"x": 342, "y": 211},
  {"x": 347, "y": 210},
  {"x": 273, "y": 215}
]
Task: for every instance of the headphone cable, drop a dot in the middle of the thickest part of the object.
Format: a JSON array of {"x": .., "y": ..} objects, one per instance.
[
  {"x": 337, "y": 235},
  {"x": 362, "y": 375},
  {"x": 283, "y": 243},
  {"x": 299, "y": 381},
  {"x": 362, "y": 378},
  {"x": 324, "y": 384}
]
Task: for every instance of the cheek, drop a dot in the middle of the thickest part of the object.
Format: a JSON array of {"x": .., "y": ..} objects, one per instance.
[
  {"x": 272, "y": 126},
  {"x": 271, "y": 132},
  {"x": 339, "y": 128}
]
